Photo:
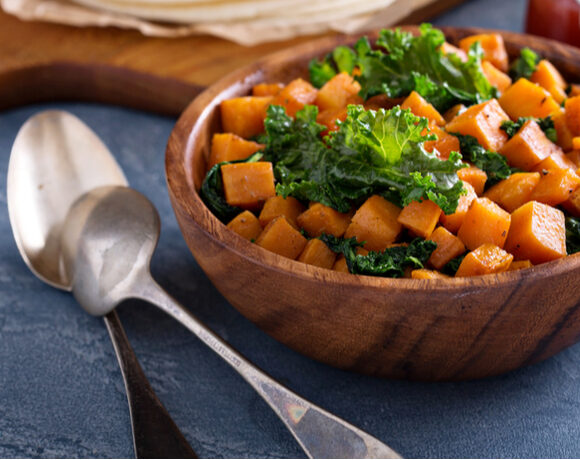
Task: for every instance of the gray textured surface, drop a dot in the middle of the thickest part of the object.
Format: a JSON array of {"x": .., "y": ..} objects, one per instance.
[{"x": 61, "y": 392}]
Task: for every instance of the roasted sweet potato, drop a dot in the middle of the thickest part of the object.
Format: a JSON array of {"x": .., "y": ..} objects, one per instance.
[
  {"x": 338, "y": 92},
  {"x": 496, "y": 77},
  {"x": 520, "y": 264},
  {"x": 229, "y": 147},
  {"x": 246, "y": 224},
  {"x": 549, "y": 78},
  {"x": 248, "y": 185},
  {"x": 572, "y": 107},
  {"x": 295, "y": 96},
  {"x": 244, "y": 116},
  {"x": 452, "y": 222},
  {"x": 484, "y": 260},
  {"x": 493, "y": 48},
  {"x": 528, "y": 147},
  {"x": 317, "y": 253},
  {"x": 485, "y": 222},
  {"x": 537, "y": 233},
  {"x": 448, "y": 48},
  {"x": 280, "y": 237},
  {"x": 475, "y": 177},
  {"x": 555, "y": 186},
  {"x": 319, "y": 219},
  {"x": 277, "y": 206},
  {"x": 375, "y": 223},
  {"x": 329, "y": 118},
  {"x": 527, "y": 99},
  {"x": 266, "y": 89},
  {"x": 448, "y": 247},
  {"x": 572, "y": 204},
  {"x": 555, "y": 161},
  {"x": 422, "y": 108},
  {"x": 453, "y": 112},
  {"x": 425, "y": 274},
  {"x": 514, "y": 191},
  {"x": 574, "y": 157},
  {"x": 482, "y": 121},
  {"x": 444, "y": 145},
  {"x": 420, "y": 218},
  {"x": 563, "y": 132}
]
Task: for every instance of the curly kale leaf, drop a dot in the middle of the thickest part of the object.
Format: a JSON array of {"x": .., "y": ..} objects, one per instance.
[
  {"x": 546, "y": 125},
  {"x": 417, "y": 63},
  {"x": 212, "y": 192},
  {"x": 525, "y": 65},
  {"x": 494, "y": 164},
  {"x": 373, "y": 152},
  {"x": 390, "y": 263},
  {"x": 342, "y": 59},
  {"x": 572, "y": 235}
]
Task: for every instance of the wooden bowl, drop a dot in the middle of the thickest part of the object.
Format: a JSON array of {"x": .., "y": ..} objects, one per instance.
[{"x": 401, "y": 328}]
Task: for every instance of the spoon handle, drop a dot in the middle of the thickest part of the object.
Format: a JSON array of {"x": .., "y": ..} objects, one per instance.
[
  {"x": 319, "y": 433},
  {"x": 155, "y": 434}
]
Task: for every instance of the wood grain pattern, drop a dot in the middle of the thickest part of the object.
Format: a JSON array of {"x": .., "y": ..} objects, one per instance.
[{"x": 417, "y": 329}]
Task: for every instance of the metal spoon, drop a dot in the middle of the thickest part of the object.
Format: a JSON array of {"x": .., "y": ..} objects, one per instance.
[
  {"x": 108, "y": 241},
  {"x": 55, "y": 159}
]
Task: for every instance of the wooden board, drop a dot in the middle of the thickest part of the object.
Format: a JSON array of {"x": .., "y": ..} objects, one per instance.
[{"x": 44, "y": 62}]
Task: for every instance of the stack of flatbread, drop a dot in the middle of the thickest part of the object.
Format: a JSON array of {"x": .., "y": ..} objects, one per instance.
[{"x": 248, "y": 22}]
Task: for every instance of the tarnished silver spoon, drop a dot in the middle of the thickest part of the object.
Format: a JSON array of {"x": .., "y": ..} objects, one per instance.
[
  {"x": 55, "y": 159},
  {"x": 108, "y": 241}
]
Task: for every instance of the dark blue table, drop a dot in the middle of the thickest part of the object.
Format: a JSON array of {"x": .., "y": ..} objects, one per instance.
[{"x": 61, "y": 392}]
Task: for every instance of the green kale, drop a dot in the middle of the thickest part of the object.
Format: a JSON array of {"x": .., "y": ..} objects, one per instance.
[
  {"x": 546, "y": 124},
  {"x": 417, "y": 63},
  {"x": 572, "y": 235},
  {"x": 342, "y": 59},
  {"x": 373, "y": 152},
  {"x": 494, "y": 164},
  {"x": 390, "y": 263},
  {"x": 212, "y": 192},
  {"x": 525, "y": 65},
  {"x": 451, "y": 267}
]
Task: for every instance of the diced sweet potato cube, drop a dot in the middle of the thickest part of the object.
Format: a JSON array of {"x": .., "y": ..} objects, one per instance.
[
  {"x": 574, "y": 90},
  {"x": 548, "y": 77},
  {"x": 537, "y": 233},
  {"x": 444, "y": 145},
  {"x": 425, "y": 274},
  {"x": 482, "y": 121},
  {"x": 452, "y": 222},
  {"x": 229, "y": 147},
  {"x": 283, "y": 239},
  {"x": 572, "y": 204},
  {"x": 563, "y": 132},
  {"x": 493, "y": 48},
  {"x": 317, "y": 253},
  {"x": 514, "y": 191},
  {"x": 248, "y": 185},
  {"x": 421, "y": 108},
  {"x": 528, "y": 147},
  {"x": 484, "y": 260},
  {"x": 420, "y": 217},
  {"x": 576, "y": 142},
  {"x": 527, "y": 99},
  {"x": 295, "y": 96},
  {"x": 555, "y": 186},
  {"x": 329, "y": 118},
  {"x": 555, "y": 161},
  {"x": 496, "y": 77},
  {"x": 572, "y": 108},
  {"x": 485, "y": 222},
  {"x": 448, "y": 48},
  {"x": 266, "y": 89},
  {"x": 244, "y": 116},
  {"x": 520, "y": 264},
  {"x": 448, "y": 247},
  {"x": 475, "y": 177},
  {"x": 277, "y": 206},
  {"x": 246, "y": 224},
  {"x": 574, "y": 157},
  {"x": 375, "y": 223},
  {"x": 319, "y": 219},
  {"x": 453, "y": 112},
  {"x": 338, "y": 92}
]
